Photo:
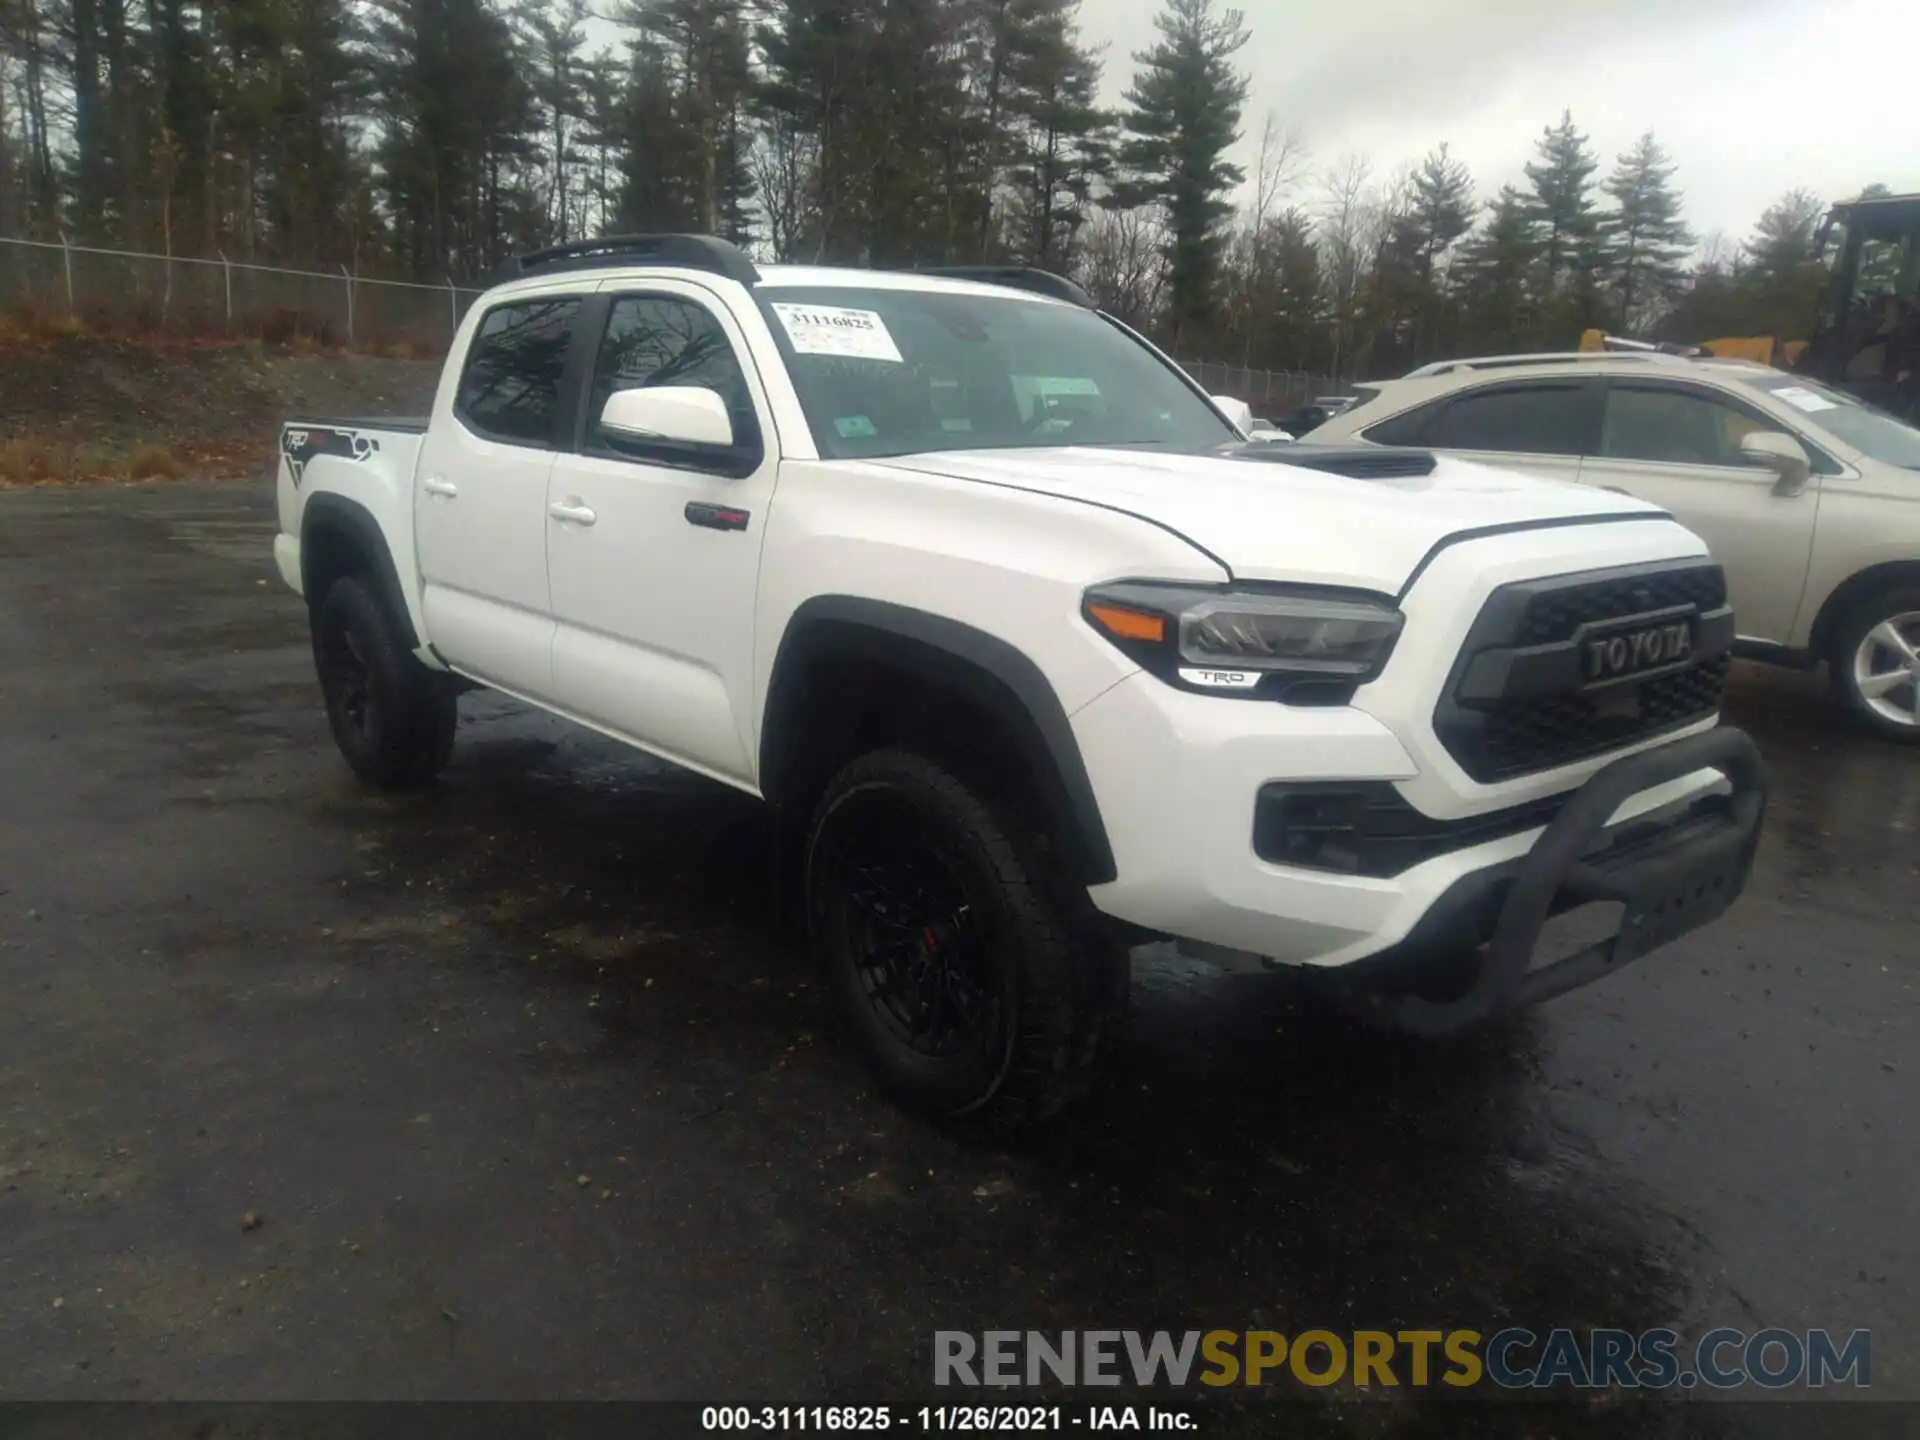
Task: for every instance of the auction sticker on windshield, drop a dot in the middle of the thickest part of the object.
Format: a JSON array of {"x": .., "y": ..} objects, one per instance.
[
  {"x": 1803, "y": 399},
  {"x": 837, "y": 330}
]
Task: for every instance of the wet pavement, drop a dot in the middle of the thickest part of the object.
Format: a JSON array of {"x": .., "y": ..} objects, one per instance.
[{"x": 529, "y": 1095}]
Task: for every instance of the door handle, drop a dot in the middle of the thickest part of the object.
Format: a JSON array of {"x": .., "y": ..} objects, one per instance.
[
  {"x": 434, "y": 485},
  {"x": 716, "y": 517},
  {"x": 572, "y": 512}
]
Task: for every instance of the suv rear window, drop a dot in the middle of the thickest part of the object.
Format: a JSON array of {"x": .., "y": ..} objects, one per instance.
[{"x": 510, "y": 389}]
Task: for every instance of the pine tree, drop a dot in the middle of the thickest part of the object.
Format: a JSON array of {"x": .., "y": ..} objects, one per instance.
[
  {"x": 1496, "y": 266},
  {"x": 1183, "y": 115},
  {"x": 1059, "y": 141},
  {"x": 554, "y": 41},
  {"x": 1781, "y": 275},
  {"x": 1441, "y": 207},
  {"x": 1647, "y": 241},
  {"x": 1563, "y": 205},
  {"x": 702, "y": 45}
]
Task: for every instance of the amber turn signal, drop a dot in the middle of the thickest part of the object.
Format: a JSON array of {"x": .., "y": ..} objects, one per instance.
[{"x": 1125, "y": 624}]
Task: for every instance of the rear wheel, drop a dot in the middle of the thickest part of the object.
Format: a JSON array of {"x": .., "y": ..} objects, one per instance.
[
  {"x": 970, "y": 970},
  {"x": 392, "y": 718},
  {"x": 1875, "y": 664}
]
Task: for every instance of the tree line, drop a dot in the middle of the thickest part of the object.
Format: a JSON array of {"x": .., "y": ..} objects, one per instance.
[{"x": 430, "y": 139}]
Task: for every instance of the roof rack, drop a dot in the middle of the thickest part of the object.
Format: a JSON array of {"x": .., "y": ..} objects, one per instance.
[
  {"x": 1503, "y": 362},
  {"x": 686, "y": 252},
  {"x": 1018, "y": 277}
]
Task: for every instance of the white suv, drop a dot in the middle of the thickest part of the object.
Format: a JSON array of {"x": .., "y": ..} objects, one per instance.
[
  {"x": 1031, "y": 652},
  {"x": 1810, "y": 499}
]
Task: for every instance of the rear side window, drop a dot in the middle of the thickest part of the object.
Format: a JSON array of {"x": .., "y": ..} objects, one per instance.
[
  {"x": 510, "y": 389},
  {"x": 1533, "y": 419},
  {"x": 1405, "y": 429}
]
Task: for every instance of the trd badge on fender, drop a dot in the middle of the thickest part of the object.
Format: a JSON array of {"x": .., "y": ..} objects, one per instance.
[{"x": 1633, "y": 652}]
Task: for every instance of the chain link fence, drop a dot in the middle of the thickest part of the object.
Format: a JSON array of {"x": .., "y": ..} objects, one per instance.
[
  {"x": 1269, "y": 392},
  {"x": 127, "y": 291}
]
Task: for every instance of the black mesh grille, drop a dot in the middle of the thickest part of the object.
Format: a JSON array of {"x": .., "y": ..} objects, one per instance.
[
  {"x": 1556, "y": 614},
  {"x": 1509, "y": 735},
  {"x": 1538, "y": 734}
]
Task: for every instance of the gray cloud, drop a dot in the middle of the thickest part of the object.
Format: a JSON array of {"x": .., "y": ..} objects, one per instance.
[{"x": 1734, "y": 87}]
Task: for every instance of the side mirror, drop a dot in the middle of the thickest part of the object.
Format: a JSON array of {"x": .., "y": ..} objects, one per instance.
[
  {"x": 1239, "y": 414},
  {"x": 1782, "y": 454},
  {"x": 688, "y": 414}
]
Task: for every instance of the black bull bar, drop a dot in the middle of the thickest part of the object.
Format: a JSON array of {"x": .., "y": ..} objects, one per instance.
[{"x": 1671, "y": 878}]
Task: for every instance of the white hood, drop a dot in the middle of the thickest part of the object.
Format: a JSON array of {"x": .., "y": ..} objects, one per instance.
[{"x": 1266, "y": 520}]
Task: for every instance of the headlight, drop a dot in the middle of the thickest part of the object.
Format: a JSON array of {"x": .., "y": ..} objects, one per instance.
[{"x": 1274, "y": 643}]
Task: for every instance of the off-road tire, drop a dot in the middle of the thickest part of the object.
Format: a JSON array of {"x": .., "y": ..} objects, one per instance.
[
  {"x": 391, "y": 716},
  {"x": 1848, "y": 636},
  {"x": 1058, "y": 976}
]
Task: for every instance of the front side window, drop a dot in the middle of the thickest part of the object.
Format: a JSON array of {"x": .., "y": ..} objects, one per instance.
[
  {"x": 1674, "y": 427},
  {"x": 654, "y": 340},
  {"x": 1528, "y": 419},
  {"x": 885, "y": 372},
  {"x": 510, "y": 389}
]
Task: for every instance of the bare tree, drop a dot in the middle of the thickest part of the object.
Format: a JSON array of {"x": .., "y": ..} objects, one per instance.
[
  {"x": 1125, "y": 263},
  {"x": 1278, "y": 171}
]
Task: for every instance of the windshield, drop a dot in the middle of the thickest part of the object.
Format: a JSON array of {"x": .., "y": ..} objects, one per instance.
[
  {"x": 1874, "y": 433},
  {"x": 900, "y": 372}
]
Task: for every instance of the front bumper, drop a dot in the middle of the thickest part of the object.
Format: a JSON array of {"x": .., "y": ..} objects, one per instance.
[
  {"x": 1670, "y": 877},
  {"x": 1178, "y": 778}
]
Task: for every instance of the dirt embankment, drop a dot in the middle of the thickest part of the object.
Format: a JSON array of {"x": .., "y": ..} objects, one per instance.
[{"x": 95, "y": 409}]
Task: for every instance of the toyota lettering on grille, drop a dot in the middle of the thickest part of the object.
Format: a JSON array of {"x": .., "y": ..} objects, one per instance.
[{"x": 1635, "y": 652}]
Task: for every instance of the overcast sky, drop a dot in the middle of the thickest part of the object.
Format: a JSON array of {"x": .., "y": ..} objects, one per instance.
[{"x": 1751, "y": 97}]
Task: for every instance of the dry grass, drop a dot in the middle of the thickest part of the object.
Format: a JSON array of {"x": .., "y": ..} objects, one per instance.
[
  {"x": 33, "y": 462},
  {"x": 154, "y": 462},
  {"x": 27, "y": 322},
  {"x": 36, "y": 461}
]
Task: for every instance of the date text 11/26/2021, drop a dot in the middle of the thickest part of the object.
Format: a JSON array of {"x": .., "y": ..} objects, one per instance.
[{"x": 998, "y": 1419}]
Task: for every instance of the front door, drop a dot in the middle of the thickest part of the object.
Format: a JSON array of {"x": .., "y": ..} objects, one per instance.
[
  {"x": 1678, "y": 446},
  {"x": 480, "y": 497},
  {"x": 654, "y": 548}
]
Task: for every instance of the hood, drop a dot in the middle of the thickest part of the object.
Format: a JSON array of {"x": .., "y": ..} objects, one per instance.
[{"x": 1268, "y": 520}]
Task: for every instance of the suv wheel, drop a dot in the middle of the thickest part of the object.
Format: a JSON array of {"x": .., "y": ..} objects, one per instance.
[
  {"x": 977, "y": 982},
  {"x": 392, "y": 717},
  {"x": 1875, "y": 664}
]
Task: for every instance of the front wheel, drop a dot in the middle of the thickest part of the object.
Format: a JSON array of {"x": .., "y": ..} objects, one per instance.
[
  {"x": 1875, "y": 664},
  {"x": 971, "y": 972},
  {"x": 392, "y": 718}
]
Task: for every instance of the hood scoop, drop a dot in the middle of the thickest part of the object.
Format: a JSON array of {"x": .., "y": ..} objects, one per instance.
[{"x": 1356, "y": 462}]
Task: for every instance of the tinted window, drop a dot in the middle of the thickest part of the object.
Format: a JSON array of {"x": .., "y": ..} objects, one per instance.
[
  {"x": 657, "y": 340},
  {"x": 1680, "y": 427},
  {"x": 1407, "y": 429},
  {"x": 510, "y": 389},
  {"x": 899, "y": 372},
  {"x": 1537, "y": 419}
]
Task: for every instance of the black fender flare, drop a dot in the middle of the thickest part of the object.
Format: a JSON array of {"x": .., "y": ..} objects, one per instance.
[
  {"x": 933, "y": 647},
  {"x": 362, "y": 534}
]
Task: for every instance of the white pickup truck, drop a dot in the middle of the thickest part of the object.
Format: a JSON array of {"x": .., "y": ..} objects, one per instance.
[{"x": 1033, "y": 654}]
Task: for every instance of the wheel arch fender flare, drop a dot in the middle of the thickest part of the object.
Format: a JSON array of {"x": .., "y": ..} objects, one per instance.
[
  {"x": 1853, "y": 591},
  {"x": 334, "y": 530},
  {"x": 1002, "y": 679}
]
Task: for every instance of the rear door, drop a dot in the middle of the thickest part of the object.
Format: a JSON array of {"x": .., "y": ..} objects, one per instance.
[
  {"x": 480, "y": 496},
  {"x": 1677, "y": 444},
  {"x": 654, "y": 548},
  {"x": 1539, "y": 427}
]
